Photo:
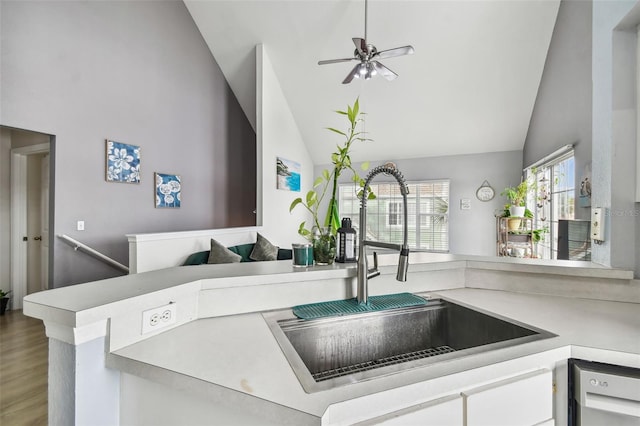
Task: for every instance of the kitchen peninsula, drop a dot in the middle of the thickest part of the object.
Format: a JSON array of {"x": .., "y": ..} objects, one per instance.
[{"x": 219, "y": 362}]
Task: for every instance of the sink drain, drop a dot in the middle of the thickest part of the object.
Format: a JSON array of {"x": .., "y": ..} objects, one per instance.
[{"x": 370, "y": 365}]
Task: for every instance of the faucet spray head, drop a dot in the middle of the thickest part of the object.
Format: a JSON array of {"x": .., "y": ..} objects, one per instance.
[{"x": 403, "y": 264}]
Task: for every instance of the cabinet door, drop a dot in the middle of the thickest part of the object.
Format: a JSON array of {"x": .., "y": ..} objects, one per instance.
[
  {"x": 445, "y": 411},
  {"x": 521, "y": 400}
]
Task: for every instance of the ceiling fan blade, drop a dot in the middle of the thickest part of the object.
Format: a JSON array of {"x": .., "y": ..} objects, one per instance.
[
  {"x": 361, "y": 45},
  {"x": 355, "y": 72},
  {"x": 398, "y": 51},
  {"x": 384, "y": 71},
  {"x": 335, "y": 61}
]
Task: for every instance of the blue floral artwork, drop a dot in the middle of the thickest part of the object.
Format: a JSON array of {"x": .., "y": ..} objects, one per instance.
[
  {"x": 123, "y": 162},
  {"x": 288, "y": 173},
  {"x": 167, "y": 190}
]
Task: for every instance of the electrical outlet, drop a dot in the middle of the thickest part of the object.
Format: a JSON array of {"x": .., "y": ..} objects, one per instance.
[
  {"x": 597, "y": 224},
  {"x": 158, "y": 318}
]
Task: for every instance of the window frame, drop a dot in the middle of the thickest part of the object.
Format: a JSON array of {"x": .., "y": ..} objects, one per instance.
[
  {"x": 421, "y": 237},
  {"x": 546, "y": 213}
]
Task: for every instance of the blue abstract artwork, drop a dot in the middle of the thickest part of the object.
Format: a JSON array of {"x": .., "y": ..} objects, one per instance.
[
  {"x": 288, "y": 174},
  {"x": 168, "y": 190},
  {"x": 123, "y": 162}
]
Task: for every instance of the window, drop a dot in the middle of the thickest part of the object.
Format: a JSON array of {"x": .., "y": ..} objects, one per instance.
[
  {"x": 427, "y": 211},
  {"x": 553, "y": 200},
  {"x": 395, "y": 214}
]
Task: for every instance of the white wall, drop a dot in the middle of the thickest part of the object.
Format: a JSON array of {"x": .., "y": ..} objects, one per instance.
[
  {"x": 614, "y": 132},
  {"x": 5, "y": 209},
  {"x": 278, "y": 136},
  {"x": 471, "y": 231}
]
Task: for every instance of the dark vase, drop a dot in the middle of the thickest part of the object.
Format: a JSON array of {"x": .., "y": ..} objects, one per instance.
[{"x": 3, "y": 305}]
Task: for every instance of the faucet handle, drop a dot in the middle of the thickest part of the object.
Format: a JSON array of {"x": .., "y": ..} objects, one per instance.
[{"x": 373, "y": 272}]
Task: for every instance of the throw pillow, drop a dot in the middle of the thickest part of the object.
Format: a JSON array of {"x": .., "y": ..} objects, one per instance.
[
  {"x": 243, "y": 250},
  {"x": 264, "y": 250},
  {"x": 221, "y": 254},
  {"x": 197, "y": 258}
]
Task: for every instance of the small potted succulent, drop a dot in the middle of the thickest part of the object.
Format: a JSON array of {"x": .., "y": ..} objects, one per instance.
[{"x": 4, "y": 300}]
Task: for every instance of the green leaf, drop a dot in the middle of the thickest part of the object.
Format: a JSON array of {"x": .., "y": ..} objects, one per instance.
[
  {"x": 333, "y": 217},
  {"x": 334, "y": 157},
  {"x": 326, "y": 174},
  {"x": 337, "y": 131},
  {"x": 294, "y": 204},
  {"x": 312, "y": 197},
  {"x": 318, "y": 182},
  {"x": 341, "y": 112},
  {"x": 365, "y": 165},
  {"x": 371, "y": 196},
  {"x": 355, "y": 178},
  {"x": 356, "y": 109}
]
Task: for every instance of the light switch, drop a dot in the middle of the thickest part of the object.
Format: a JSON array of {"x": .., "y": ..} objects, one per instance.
[
  {"x": 80, "y": 225},
  {"x": 465, "y": 204}
]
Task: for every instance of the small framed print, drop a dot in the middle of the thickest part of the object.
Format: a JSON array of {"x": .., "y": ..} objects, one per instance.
[
  {"x": 123, "y": 162},
  {"x": 288, "y": 174},
  {"x": 167, "y": 190}
]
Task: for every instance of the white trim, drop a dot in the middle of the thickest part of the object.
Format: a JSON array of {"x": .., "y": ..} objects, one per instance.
[
  {"x": 638, "y": 115},
  {"x": 148, "y": 252},
  {"x": 551, "y": 157},
  {"x": 76, "y": 335},
  {"x": 19, "y": 219},
  {"x": 162, "y": 236}
]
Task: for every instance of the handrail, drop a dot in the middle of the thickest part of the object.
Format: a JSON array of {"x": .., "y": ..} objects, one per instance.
[{"x": 78, "y": 245}]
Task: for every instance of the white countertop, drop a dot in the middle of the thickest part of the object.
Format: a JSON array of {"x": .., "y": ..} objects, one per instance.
[
  {"x": 238, "y": 355},
  {"x": 82, "y": 304}
]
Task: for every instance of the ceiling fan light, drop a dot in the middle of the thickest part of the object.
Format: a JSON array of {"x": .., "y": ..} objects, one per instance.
[{"x": 363, "y": 69}]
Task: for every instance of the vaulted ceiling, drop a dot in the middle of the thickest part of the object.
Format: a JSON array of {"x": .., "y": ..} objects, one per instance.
[{"x": 470, "y": 87}]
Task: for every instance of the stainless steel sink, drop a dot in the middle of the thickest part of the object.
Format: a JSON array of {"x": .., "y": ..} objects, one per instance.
[{"x": 334, "y": 351}]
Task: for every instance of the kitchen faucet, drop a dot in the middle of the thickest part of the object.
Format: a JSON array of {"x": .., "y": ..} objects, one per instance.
[{"x": 364, "y": 273}]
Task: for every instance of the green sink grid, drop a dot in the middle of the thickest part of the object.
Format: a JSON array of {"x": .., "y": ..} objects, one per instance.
[{"x": 351, "y": 306}]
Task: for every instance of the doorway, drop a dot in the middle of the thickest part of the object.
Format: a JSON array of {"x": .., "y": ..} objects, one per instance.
[{"x": 29, "y": 184}]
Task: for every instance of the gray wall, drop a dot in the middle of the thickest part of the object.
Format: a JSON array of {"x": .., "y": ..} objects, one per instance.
[
  {"x": 5, "y": 209},
  {"x": 471, "y": 231},
  {"x": 139, "y": 73},
  {"x": 562, "y": 112},
  {"x": 614, "y": 130}
]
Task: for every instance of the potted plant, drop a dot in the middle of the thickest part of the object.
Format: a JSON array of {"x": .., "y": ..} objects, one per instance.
[
  {"x": 4, "y": 299},
  {"x": 517, "y": 196},
  {"x": 322, "y": 232}
]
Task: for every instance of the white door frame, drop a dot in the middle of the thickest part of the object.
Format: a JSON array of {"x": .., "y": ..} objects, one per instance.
[{"x": 19, "y": 219}]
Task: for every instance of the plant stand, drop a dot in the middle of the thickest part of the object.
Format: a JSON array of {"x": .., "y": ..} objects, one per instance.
[{"x": 514, "y": 241}]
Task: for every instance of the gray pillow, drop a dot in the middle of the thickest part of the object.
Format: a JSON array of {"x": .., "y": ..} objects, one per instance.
[
  {"x": 221, "y": 254},
  {"x": 264, "y": 250}
]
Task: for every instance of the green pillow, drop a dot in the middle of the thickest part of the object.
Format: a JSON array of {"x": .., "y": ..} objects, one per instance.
[
  {"x": 264, "y": 250},
  {"x": 285, "y": 254},
  {"x": 243, "y": 250},
  {"x": 197, "y": 258},
  {"x": 221, "y": 254}
]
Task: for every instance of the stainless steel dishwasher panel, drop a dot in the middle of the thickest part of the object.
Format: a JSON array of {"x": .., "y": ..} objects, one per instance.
[{"x": 604, "y": 394}]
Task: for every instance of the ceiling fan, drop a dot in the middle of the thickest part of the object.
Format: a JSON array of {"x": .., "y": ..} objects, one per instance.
[{"x": 368, "y": 56}]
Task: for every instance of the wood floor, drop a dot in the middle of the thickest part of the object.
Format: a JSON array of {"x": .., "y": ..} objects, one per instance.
[{"x": 23, "y": 370}]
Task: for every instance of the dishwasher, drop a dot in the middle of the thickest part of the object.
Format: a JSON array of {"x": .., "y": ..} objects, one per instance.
[{"x": 603, "y": 394}]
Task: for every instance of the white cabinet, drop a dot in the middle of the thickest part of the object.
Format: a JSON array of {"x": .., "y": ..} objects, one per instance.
[
  {"x": 522, "y": 400},
  {"x": 445, "y": 411}
]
